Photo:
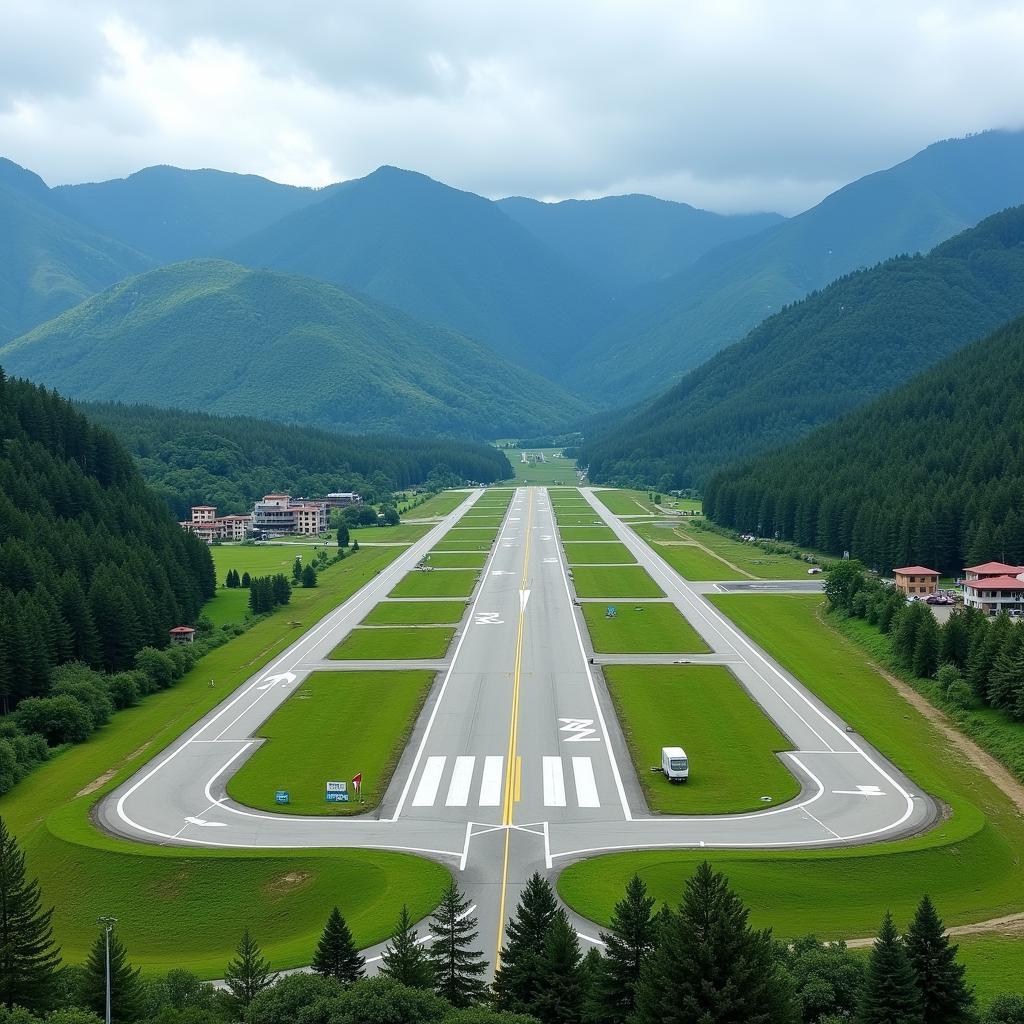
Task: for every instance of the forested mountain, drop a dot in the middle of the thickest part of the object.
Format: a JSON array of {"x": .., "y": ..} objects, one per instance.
[
  {"x": 443, "y": 256},
  {"x": 48, "y": 260},
  {"x": 196, "y": 458},
  {"x": 92, "y": 565},
  {"x": 214, "y": 336},
  {"x": 174, "y": 214},
  {"x": 906, "y": 209},
  {"x": 931, "y": 474},
  {"x": 625, "y": 241},
  {"x": 820, "y": 358}
]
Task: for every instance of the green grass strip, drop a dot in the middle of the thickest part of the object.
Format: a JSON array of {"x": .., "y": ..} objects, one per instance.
[
  {"x": 415, "y": 613},
  {"x": 457, "y": 559},
  {"x": 388, "y": 643},
  {"x": 571, "y": 533},
  {"x": 453, "y": 583},
  {"x": 615, "y": 582},
  {"x": 653, "y": 628},
  {"x": 590, "y": 554}
]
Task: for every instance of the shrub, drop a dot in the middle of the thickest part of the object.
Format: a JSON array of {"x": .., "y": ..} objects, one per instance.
[{"x": 59, "y": 719}]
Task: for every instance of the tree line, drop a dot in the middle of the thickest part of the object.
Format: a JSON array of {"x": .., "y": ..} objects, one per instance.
[
  {"x": 700, "y": 961},
  {"x": 931, "y": 474},
  {"x": 193, "y": 458}
]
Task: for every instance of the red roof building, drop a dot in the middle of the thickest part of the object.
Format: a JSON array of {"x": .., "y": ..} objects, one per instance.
[
  {"x": 916, "y": 579},
  {"x": 988, "y": 570},
  {"x": 182, "y": 635},
  {"x": 995, "y": 594}
]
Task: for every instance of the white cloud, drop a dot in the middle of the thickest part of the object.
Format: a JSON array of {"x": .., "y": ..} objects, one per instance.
[{"x": 729, "y": 104}]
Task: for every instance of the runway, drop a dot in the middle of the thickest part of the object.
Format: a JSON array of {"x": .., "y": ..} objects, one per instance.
[{"x": 517, "y": 763}]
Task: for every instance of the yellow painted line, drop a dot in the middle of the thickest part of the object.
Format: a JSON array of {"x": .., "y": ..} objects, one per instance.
[{"x": 513, "y": 777}]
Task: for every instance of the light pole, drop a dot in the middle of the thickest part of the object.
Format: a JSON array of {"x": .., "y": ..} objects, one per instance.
[{"x": 107, "y": 924}]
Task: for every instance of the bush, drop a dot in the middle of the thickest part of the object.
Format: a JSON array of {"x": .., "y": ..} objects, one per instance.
[
  {"x": 959, "y": 695},
  {"x": 89, "y": 688},
  {"x": 159, "y": 667},
  {"x": 59, "y": 719},
  {"x": 124, "y": 689}
]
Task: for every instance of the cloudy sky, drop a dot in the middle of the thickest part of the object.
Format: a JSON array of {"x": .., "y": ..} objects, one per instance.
[{"x": 727, "y": 104}]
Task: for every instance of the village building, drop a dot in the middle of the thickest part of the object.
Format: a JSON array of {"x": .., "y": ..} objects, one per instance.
[
  {"x": 916, "y": 580},
  {"x": 183, "y": 635},
  {"x": 207, "y": 526},
  {"x": 281, "y": 513},
  {"x": 994, "y": 587},
  {"x": 342, "y": 499}
]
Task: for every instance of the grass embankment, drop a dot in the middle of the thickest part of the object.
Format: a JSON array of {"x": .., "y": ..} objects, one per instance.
[
  {"x": 443, "y": 583},
  {"x": 970, "y": 863},
  {"x": 615, "y": 582},
  {"x": 555, "y": 469},
  {"x": 334, "y": 725},
  {"x": 586, "y": 533},
  {"x": 625, "y": 502},
  {"x": 729, "y": 740},
  {"x": 464, "y": 545},
  {"x": 84, "y": 873},
  {"x": 571, "y": 515},
  {"x": 597, "y": 554},
  {"x": 386, "y": 643},
  {"x": 403, "y": 533},
  {"x": 436, "y": 506},
  {"x": 415, "y": 613},
  {"x": 654, "y": 628},
  {"x": 457, "y": 559}
]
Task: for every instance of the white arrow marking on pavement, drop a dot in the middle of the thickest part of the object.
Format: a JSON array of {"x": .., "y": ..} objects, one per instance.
[
  {"x": 285, "y": 677},
  {"x": 209, "y": 824},
  {"x": 548, "y": 561},
  {"x": 524, "y": 596},
  {"x": 581, "y": 728},
  {"x": 860, "y": 791},
  {"x": 488, "y": 619}
]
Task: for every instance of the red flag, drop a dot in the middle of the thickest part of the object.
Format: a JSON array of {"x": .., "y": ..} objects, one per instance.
[{"x": 357, "y": 782}]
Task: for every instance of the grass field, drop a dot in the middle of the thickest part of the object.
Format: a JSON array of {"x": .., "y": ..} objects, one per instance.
[
  {"x": 453, "y": 583},
  {"x": 457, "y": 559},
  {"x": 334, "y": 725},
  {"x": 227, "y": 606},
  {"x": 575, "y": 533},
  {"x": 654, "y": 628},
  {"x": 85, "y": 873},
  {"x": 730, "y": 742},
  {"x": 995, "y": 964},
  {"x": 403, "y": 533},
  {"x": 615, "y": 582},
  {"x": 463, "y": 545},
  {"x": 554, "y": 470},
  {"x": 384, "y": 643},
  {"x": 436, "y": 506},
  {"x": 688, "y": 560},
  {"x": 259, "y": 559},
  {"x": 570, "y": 517},
  {"x": 415, "y": 613},
  {"x": 590, "y": 554},
  {"x": 627, "y": 502},
  {"x": 969, "y": 863}
]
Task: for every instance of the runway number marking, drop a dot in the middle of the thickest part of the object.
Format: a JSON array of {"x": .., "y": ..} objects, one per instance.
[
  {"x": 488, "y": 619},
  {"x": 860, "y": 791},
  {"x": 580, "y": 730}
]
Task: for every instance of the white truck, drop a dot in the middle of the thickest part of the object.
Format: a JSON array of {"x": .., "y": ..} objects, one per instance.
[{"x": 674, "y": 764}]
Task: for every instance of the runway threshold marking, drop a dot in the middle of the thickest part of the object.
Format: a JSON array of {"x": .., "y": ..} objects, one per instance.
[{"x": 513, "y": 776}]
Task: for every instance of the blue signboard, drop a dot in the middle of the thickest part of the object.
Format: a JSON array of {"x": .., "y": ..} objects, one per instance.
[
  {"x": 612, "y": 611},
  {"x": 337, "y": 798},
  {"x": 281, "y": 796},
  {"x": 337, "y": 792}
]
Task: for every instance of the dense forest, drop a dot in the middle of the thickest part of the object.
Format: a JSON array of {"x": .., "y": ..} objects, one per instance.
[
  {"x": 93, "y": 568},
  {"x": 931, "y": 474},
  {"x": 194, "y": 458},
  {"x": 818, "y": 359}
]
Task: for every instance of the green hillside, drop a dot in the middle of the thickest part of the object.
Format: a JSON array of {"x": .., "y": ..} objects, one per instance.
[
  {"x": 443, "y": 256},
  {"x": 625, "y": 241},
  {"x": 930, "y": 474},
  {"x": 175, "y": 214},
  {"x": 213, "y": 336},
  {"x": 820, "y": 358},
  {"x": 229, "y": 461},
  {"x": 48, "y": 260},
  {"x": 908, "y": 208}
]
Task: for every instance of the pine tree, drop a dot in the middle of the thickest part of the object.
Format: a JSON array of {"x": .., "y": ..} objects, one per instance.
[
  {"x": 945, "y": 996},
  {"x": 336, "y": 954},
  {"x": 309, "y": 576},
  {"x": 404, "y": 959},
  {"x": 560, "y": 998},
  {"x": 890, "y": 994},
  {"x": 29, "y": 960},
  {"x": 709, "y": 965},
  {"x": 249, "y": 973},
  {"x": 926, "y": 647},
  {"x": 127, "y": 996},
  {"x": 628, "y": 945},
  {"x": 517, "y": 982},
  {"x": 246, "y": 580},
  {"x": 343, "y": 536},
  {"x": 297, "y": 569},
  {"x": 458, "y": 968}
]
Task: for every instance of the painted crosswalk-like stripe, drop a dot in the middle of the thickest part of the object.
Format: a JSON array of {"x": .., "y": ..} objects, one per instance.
[
  {"x": 426, "y": 792},
  {"x": 490, "y": 784},
  {"x": 586, "y": 784},
  {"x": 554, "y": 782},
  {"x": 462, "y": 778}
]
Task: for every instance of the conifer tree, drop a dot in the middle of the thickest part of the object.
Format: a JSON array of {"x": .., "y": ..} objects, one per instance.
[
  {"x": 309, "y": 576},
  {"x": 336, "y": 954},
  {"x": 518, "y": 981},
  {"x": 127, "y": 996},
  {"x": 249, "y": 973},
  {"x": 709, "y": 965},
  {"x": 561, "y": 994},
  {"x": 297, "y": 569},
  {"x": 404, "y": 959},
  {"x": 29, "y": 960},
  {"x": 343, "y": 536},
  {"x": 628, "y": 945},
  {"x": 246, "y": 580},
  {"x": 945, "y": 995},
  {"x": 458, "y": 967},
  {"x": 890, "y": 994}
]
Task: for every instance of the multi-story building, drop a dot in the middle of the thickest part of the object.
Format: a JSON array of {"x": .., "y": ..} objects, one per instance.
[
  {"x": 204, "y": 513},
  {"x": 916, "y": 580},
  {"x": 206, "y": 525},
  {"x": 342, "y": 499},
  {"x": 990, "y": 570},
  {"x": 995, "y": 594},
  {"x": 280, "y": 513}
]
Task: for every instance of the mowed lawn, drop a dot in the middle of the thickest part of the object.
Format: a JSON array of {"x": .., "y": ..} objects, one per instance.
[
  {"x": 403, "y": 533},
  {"x": 386, "y": 643},
  {"x": 555, "y": 469},
  {"x": 415, "y": 613},
  {"x": 436, "y": 506},
  {"x": 969, "y": 863},
  {"x": 227, "y": 606},
  {"x": 596, "y": 554},
  {"x": 260, "y": 559},
  {"x": 462, "y": 544},
  {"x": 651, "y": 628},
  {"x": 457, "y": 559},
  {"x": 731, "y": 744},
  {"x": 690, "y": 561},
  {"x": 335, "y": 725},
  {"x": 627, "y": 502},
  {"x": 615, "y": 582},
  {"x": 571, "y": 533},
  {"x": 441, "y": 583}
]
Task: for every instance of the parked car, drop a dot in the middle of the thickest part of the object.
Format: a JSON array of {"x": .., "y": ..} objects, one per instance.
[{"x": 814, "y": 571}]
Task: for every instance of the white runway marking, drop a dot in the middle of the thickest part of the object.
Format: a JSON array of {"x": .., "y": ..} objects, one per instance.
[
  {"x": 554, "y": 782},
  {"x": 586, "y": 784},
  {"x": 426, "y": 792},
  {"x": 860, "y": 791},
  {"x": 490, "y": 784},
  {"x": 462, "y": 778}
]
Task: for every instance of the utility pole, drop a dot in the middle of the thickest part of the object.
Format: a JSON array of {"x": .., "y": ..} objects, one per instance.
[{"x": 107, "y": 924}]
